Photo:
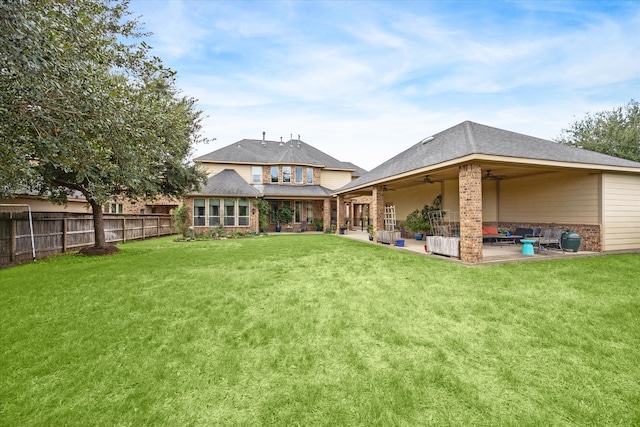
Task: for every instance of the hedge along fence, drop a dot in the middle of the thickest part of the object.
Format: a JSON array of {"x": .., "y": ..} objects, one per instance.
[{"x": 57, "y": 233}]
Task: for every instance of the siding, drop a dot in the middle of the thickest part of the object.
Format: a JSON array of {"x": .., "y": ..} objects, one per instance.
[
  {"x": 409, "y": 199},
  {"x": 621, "y": 211},
  {"x": 551, "y": 198},
  {"x": 489, "y": 207},
  {"x": 334, "y": 179},
  {"x": 213, "y": 168}
]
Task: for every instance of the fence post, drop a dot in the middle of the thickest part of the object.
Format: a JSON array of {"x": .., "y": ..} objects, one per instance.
[
  {"x": 124, "y": 229},
  {"x": 143, "y": 229},
  {"x": 14, "y": 231},
  {"x": 64, "y": 234},
  {"x": 158, "y": 226}
]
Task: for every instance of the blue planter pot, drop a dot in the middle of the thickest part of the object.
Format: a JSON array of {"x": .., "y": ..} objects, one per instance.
[
  {"x": 400, "y": 243},
  {"x": 418, "y": 236},
  {"x": 278, "y": 229}
]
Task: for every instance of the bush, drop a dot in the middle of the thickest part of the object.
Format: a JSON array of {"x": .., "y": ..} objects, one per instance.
[{"x": 181, "y": 220}]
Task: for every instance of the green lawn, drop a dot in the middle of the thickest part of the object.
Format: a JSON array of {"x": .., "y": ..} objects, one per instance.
[{"x": 317, "y": 330}]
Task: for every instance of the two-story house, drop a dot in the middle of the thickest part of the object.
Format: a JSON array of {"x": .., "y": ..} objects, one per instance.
[{"x": 290, "y": 173}]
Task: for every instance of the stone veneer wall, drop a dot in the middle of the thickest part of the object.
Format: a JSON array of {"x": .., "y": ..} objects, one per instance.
[
  {"x": 590, "y": 235},
  {"x": 470, "y": 190}
]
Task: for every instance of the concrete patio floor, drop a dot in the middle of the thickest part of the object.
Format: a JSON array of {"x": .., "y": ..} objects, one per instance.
[{"x": 491, "y": 253}]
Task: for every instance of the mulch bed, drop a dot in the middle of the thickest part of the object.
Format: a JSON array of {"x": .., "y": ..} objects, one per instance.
[{"x": 107, "y": 250}]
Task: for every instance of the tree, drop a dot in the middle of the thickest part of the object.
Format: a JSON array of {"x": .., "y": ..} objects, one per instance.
[
  {"x": 81, "y": 110},
  {"x": 616, "y": 132}
]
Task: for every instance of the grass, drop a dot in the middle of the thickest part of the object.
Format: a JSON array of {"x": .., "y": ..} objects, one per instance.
[{"x": 317, "y": 330}]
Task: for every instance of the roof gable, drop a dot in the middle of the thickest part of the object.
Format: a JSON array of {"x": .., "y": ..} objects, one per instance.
[{"x": 228, "y": 183}]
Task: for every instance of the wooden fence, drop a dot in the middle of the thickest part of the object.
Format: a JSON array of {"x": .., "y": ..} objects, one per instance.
[{"x": 61, "y": 233}]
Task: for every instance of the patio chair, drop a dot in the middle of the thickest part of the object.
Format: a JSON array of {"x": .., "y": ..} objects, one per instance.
[{"x": 550, "y": 239}]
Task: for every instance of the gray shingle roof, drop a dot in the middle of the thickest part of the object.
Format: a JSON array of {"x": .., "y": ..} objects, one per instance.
[
  {"x": 469, "y": 138},
  {"x": 274, "y": 190},
  {"x": 228, "y": 183},
  {"x": 274, "y": 152}
]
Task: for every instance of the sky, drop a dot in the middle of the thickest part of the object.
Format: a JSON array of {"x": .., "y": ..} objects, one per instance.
[{"x": 365, "y": 80}]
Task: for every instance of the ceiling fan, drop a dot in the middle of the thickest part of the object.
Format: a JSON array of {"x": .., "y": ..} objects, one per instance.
[
  {"x": 490, "y": 175},
  {"x": 428, "y": 180},
  {"x": 384, "y": 188}
]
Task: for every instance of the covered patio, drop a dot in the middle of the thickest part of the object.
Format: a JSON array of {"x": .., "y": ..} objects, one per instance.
[
  {"x": 492, "y": 254},
  {"x": 492, "y": 177}
]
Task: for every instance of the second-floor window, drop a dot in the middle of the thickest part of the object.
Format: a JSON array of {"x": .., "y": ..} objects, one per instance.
[
  {"x": 309, "y": 175},
  {"x": 298, "y": 175},
  {"x": 274, "y": 173},
  {"x": 256, "y": 174},
  {"x": 286, "y": 174},
  {"x": 113, "y": 208}
]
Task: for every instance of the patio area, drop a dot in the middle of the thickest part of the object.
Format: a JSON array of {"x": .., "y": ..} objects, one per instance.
[{"x": 491, "y": 253}]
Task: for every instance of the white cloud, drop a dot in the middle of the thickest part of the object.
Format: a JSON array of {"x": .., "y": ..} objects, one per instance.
[{"x": 365, "y": 83}]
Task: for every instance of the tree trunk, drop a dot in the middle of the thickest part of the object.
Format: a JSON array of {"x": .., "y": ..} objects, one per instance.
[{"x": 98, "y": 224}]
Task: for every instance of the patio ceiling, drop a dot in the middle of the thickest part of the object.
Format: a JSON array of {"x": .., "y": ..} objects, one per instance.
[{"x": 502, "y": 170}]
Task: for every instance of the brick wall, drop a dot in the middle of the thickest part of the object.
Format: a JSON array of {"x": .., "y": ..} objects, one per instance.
[
  {"x": 470, "y": 188},
  {"x": 590, "y": 235},
  {"x": 377, "y": 210}
]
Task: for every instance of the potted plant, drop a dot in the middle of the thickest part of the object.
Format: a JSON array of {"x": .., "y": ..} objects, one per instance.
[
  {"x": 283, "y": 216},
  {"x": 317, "y": 223},
  {"x": 370, "y": 230},
  {"x": 417, "y": 223}
]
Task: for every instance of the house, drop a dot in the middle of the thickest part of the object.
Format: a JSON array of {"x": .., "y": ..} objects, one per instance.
[
  {"x": 490, "y": 176},
  {"x": 77, "y": 204},
  {"x": 292, "y": 173}
]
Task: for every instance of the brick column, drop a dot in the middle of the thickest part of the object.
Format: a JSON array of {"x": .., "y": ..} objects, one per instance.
[
  {"x": 470, "y": 187},
  {"x": 377, "y": 210},
  {"x": 326, "y": 213},
  {"x": 340, "y": 213}
]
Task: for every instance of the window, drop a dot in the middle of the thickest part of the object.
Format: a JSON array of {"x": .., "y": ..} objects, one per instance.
[
  {"x": 198, "y": 212},
  {"x": 229, "y": 212},
  {"x": 113, "y": 208},
  {"x": 286, "y": 174},
  {"x": 214, "y": 212},
  {"x": 243, "y": 212},
  {"x": 298, "y": 212},
  {"x": 256, "y": 174},
  {"x": 309, "y": 175},
  {"x": 274, "y": 174},
  {"x": 298, "y": 174},
  {"x": 310, "y": 211},
  {"x": 274, "y": 210}
]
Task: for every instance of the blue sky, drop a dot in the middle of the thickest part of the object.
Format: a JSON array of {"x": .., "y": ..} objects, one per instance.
[{"x": 365, "y": 80}]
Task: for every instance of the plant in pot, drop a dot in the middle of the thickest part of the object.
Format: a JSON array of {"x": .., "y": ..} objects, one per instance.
[
  {"x": 417, "y": 223},
  {"x": 283, "y": 216},
  {"x": 370, "y": 231},
  {"x": 317, "y": 223}
]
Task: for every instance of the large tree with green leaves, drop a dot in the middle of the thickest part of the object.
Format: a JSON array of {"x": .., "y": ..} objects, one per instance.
[
  {"x": 84, "y": 107},
  {"x": 616, "y": 132}
]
